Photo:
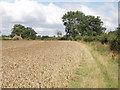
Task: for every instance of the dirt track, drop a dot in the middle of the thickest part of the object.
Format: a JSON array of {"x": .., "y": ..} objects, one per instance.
[{"x": 39, "y": 63}]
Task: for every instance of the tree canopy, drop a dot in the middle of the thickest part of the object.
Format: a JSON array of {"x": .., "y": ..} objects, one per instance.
[
  {"x": 77, "y": 23},
  {"x": 25, "y": 32}
]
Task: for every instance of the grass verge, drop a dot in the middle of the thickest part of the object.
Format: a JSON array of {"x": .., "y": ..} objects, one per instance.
[{"x": 107, "y": 66}]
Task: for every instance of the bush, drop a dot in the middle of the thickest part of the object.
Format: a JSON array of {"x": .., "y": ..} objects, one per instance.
[
  {"x": 48, "y": 38},
  {"x": 66, "y": 38},
  {"x": 16, "y": 39},
  {"x": 44, "y": 37},
  {"x": 97, "y": 38},
  {"x": 88, "y": 38},
  {"x": 115, "y": 45},
  {"x": 38, "y": 37},
  {"x": 28, "y": 39},
  {"x": 78, "y": 38},
  {"x": 115, "y": 42},
  {"x": 103, "y": 38}
]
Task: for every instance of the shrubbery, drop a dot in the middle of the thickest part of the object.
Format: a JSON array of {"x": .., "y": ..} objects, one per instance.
[
  {"x": 65, "y": 37},
  {"x": 112, "y": 38},
  {"x": 16, "y": 39},
  {"x": 103, "y": 39},
  {"x": 46, "y": 38},
  {"x": 88, "y": 38},
  {"x": 115, "y": 41},
  {"x": 77, "y": 38}
]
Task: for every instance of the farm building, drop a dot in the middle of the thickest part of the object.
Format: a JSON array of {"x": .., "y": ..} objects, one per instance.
[
  {"x": 7, "y": 38},
  {"x": 16, "y": 36}
]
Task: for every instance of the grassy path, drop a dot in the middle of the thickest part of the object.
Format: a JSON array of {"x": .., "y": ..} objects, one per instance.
[{"x": 95, "y": 71}]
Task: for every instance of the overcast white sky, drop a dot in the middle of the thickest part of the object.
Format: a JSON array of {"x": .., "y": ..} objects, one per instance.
[{"x": 45, "y": 17}]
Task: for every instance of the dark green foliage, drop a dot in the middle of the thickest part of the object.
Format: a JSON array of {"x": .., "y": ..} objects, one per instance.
[
  {"x": 115, "y": 40},
  {"x": 115, "y": 45},
  {"x": 29, "y": 33},
  {"x": 73, "y": 22},
  {"x": 88, "y": 38},
  {"x": 103, "y": 38},
  {"x": 94, "y": 26},
  {"x": 16, "y": 39},
  {"x": 66, "y": 37},
  {"x": 44, "y": 37},
  {"x": 25, "y": 32},
  {"x": 48, "y": 38},
  {"x": 17, "y": 30},
  {"x": 38, "y": 37},
  {"x": 78, "y": 38},
  {"x": 112, "y": 38},
  {"x": 77, "y": 23}
]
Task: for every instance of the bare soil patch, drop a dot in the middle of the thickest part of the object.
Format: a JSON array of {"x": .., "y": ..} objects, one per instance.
[
  {"x": 55, "y": 64},
  {"x": 39, "y": 64}
]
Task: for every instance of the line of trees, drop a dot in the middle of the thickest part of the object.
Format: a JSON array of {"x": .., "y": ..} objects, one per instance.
[
  {"x": 29, "y": 34},
  {"x": 78, "y": 26},
  {"x": 77, "y": 23}
]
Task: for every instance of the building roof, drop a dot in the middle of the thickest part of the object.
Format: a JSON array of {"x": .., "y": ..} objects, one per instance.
[{"x": 17, "y": 37}]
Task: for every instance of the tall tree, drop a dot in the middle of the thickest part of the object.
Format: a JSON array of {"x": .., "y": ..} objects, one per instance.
[
  {"x": 74, "y": 22},
  {"x": 77, "y": 23},
  {"x": 18, "y": 29},
  {"x": 25, "y": 32},
  {"x": 95, "y": 26},
  {"x": 30, "y": 33}
]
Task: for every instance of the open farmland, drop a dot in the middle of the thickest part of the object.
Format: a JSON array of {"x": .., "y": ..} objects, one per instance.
[{"x": 51, "y": 64}]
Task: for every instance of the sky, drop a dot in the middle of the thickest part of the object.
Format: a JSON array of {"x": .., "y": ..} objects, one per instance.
[{"x": 44, "y": 16}]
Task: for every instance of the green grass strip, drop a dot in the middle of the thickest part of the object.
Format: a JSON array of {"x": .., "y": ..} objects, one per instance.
[{"x": 104, "y": 73}]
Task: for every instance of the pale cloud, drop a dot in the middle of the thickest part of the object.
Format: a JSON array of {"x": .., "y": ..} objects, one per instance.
[
  {"x": 48, "y": 31},
  {"x": 42, "y": 29},
  {"x": 53, "y": 14},
  {"x": 109, "y": 14},
  {"x": 46, "y": 18},
  {"x": 31, "y": 13},
  {"x": 23, "y": 9}
]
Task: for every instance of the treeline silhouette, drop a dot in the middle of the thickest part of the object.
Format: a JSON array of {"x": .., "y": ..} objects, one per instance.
[{"x": 78, "y": 26}]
